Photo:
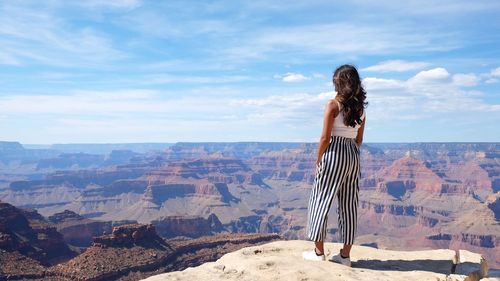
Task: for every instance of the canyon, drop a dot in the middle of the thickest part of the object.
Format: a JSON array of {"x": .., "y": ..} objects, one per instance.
[
  {"x": 31, "y": 248},
  {"x": 412, "y": 195}
]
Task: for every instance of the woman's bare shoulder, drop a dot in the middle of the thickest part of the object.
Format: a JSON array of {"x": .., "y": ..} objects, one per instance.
[
  {"x": 332, "y": 103},
  {"x": 333, "y": 106}
]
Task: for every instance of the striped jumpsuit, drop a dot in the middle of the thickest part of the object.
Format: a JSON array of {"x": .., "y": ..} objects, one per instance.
[{"x": 337, "y": 175}]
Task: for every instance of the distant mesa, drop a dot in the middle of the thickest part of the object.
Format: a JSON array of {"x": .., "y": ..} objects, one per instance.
[{"x": 9, "y": 147}]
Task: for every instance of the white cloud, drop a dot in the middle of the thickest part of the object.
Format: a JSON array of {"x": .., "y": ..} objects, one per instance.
[
  {"x": 83, "y": 102},
  {"x": 438, "y": 74},
  {"x": 396, "y": 66},
  {"x": 491, "y": 77},
  {"x": 374, "y": 83},
  {"x": 8, "y": 59},
  {"x": 298, "y": 108},
  {"x": 294, "y": 77},
  {"x": 495, "y": 72},
  {"x": 491, "y": 81},
  {"x": 468, "y": 80},
  {"x": 290, "y": 100},
  {"x": 425, "y": 94},
  {"x": 318, "y": 75},
  {"x": 427, "y": 80}
]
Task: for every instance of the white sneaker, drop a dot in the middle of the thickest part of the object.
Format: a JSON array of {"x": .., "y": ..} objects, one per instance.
[
  {"x": 339, "y": 259},
  {"x": 311, "y": 256}
]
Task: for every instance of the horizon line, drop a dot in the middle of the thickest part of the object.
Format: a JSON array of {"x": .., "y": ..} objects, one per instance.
[{"x": 195, "y": 142}]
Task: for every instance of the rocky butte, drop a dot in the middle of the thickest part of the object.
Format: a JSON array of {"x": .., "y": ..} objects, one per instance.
[{"x": 135, "y": 251}]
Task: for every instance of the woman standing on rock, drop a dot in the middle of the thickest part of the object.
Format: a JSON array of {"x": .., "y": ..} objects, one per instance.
[{"x": 338, "y": 167}]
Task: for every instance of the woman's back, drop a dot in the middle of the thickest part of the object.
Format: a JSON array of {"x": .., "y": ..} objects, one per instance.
[{"x": 340, "y": 129}]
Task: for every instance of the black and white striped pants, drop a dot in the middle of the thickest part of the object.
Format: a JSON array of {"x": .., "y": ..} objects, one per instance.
[{"x": 337, "y": 175}]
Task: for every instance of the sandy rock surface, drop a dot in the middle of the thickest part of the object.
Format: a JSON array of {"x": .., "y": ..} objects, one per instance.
[{"x": 282, "y": 260}]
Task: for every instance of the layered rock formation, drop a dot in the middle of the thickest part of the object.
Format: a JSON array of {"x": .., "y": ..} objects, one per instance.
[
  {"x": 77, "y": 230},
  {"x": 32, "y": 249},
  {"x": 432, "y": 200},
  {"x": 143, "y": 253},
  {"x": 130, "y": 235},
  {"x": 26, "y": 233},
  {"x": 28, "y": 244},
  {"x": 137, "y": 246},
  {"x": 295, "y": 165},
  {"x": 71, "y": 160},
  {"x": 15, "y": 266},
  {"x": 198, "y": 187},
  {"x": 187, "y": 226},
  {"x": 282, "y": 260}
]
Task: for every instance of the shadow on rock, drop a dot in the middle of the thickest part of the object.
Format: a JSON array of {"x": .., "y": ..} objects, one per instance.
[{"x": 437, "y": 266}]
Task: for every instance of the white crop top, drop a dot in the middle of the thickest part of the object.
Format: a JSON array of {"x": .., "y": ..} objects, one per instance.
[{"x": 340, "y": 129}]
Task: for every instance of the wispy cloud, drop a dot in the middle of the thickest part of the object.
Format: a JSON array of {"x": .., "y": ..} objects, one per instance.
[
  {"x": 115, "y": 4},
  {"x": 469, "y": 80},
  {"x": 495, "y": 72},
  {"x": 293, "y": 77},
  {"x": 448, "y": 8},
  {"x": 491, "y": 77},
  {"x": 29, "y": 35},
  {"x": 337, "y": 39},
  {"x": 396, "y": 66},
  {"x": 8, "y": 59}
]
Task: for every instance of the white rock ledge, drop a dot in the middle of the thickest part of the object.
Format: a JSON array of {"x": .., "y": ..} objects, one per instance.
[{"x": 282, "y": 261}]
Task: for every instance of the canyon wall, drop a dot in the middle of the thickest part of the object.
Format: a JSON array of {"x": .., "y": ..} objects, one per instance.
[{"x": 413, "y": 196}]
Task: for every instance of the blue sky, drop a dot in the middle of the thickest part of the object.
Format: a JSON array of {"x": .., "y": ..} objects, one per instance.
[{"x": 166, "y": 71}]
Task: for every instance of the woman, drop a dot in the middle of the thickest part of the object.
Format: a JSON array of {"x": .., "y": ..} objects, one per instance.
[{"x": 338, "y": 168}]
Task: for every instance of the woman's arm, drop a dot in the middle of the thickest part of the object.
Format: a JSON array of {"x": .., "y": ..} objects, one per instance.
[
  {"x": 331, "y": 110},
  {"x": 361, "y": 130}
]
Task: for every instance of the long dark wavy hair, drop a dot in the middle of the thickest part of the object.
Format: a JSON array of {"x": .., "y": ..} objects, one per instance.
[{"x": 351, "y": 94}]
